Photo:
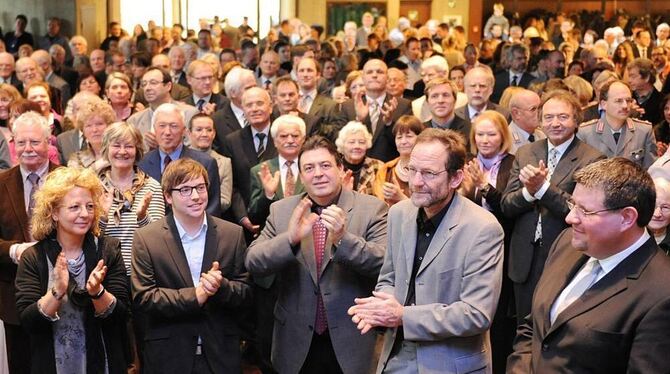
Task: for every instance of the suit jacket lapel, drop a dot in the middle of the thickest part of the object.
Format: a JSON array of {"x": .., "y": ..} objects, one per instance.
[
  {"x": 566, "y": 164},
  {"x": 15, "y": 188},
  {"x": 443, "y": 232},
  {"x": 248, "y": 146},
  {"x": 308, "y": 258},
  {"x": 409, "y": 232},
  {"x": 211, "y": 246},
  {"x": 176, "y": 250}
]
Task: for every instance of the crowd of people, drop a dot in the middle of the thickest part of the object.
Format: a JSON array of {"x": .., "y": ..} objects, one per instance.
[{"x": 391, "y": 198}]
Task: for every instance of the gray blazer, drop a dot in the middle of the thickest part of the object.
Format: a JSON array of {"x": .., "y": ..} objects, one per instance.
[
  {"x": 636, "y": 142},
  {"x": 67, "y": 143},
  {"x": 348, "y": 271},
  {"x": 225, "y": 176},
  {"x": 457, "y": 286}
]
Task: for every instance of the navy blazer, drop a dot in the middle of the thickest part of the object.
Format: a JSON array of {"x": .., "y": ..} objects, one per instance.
[
  {"x": 151, "y": 164},
  {"x": 217, "y": 99}
]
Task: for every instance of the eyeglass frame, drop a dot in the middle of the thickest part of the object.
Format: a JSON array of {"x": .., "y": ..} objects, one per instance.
[
  {"x": 585, "y": 213},
  {"x": 182, "y": 190},
  {"x": 426, "y": 175}
]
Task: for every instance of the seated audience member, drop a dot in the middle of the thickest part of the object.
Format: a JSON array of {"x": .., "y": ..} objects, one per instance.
[
  {"x": 595, "y": 309},
  {"x": 352, "y": 143},
  {"x": 88, "y": 82},
  {"x": 662, "y": 129},
  {"x": 8, "y": 94},
  {"x": 71, "y": 288},
  {"x": 201, "y": 133},
  {"x": 658, "y": 225},
  {"x": 119, "y": 95},
  {"x": 169, "y": 126},
  {"x": 392, "y": 181},
  {"x": 441, "y": 99},
  {"x": 193, "y": 303},
  {"x": 17, "y": 108},
  {"x": 131, "y": 199},
  {"x": 325, "y": 247},
  {"x": 38, "y": 92},
  {"x": 92, "y": 120}
]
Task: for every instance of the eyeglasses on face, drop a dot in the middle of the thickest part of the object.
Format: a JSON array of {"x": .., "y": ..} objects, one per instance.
[
  {"x": 187, "y": 191},
  {"x": 426, "y": 175},
  {"x": 585, "y": 213}
]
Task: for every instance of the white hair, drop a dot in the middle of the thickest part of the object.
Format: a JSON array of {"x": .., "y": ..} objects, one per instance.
[
  {"x": 662, "y": 26},
  {"x": 233, "y": 80},
  {"x": 32, "y": 118},
  {"x": 167, "y": 108},
  {"x": 351, "y": 128},
  {"x": 287, "y": 119},
  {"x": 436, "y": 62}
]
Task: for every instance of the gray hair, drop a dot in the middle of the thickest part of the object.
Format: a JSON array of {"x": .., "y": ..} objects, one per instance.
[
  {"x": 232, "y": 83},
  {"x": 168, "y": 108},
  {"x": 287, "y": 119},
  {"x": 351, "y": 128},
  {"x": 32, "y": 118},
  {"x": 436, "y": 62}
]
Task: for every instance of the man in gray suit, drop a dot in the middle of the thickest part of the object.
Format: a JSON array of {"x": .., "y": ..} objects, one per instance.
[
  {"x": 439, "y": 285},
  {"x": 326, "y": 248},
  {"x": 43, "y": 59},
  {"x": 615, "y": 133}
]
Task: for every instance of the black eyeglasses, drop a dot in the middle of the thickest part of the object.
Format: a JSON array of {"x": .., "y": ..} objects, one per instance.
[{"x": 187, "y": 191}]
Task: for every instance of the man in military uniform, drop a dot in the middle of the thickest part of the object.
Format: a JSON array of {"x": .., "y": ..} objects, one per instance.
[{"x": 615, "y": 133}]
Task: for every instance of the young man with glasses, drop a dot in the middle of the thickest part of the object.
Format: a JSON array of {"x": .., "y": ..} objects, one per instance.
[
  {"x": 616, "y": 133},
  {"x": 188, "y": 278},
  {"x": 439, "y": 285},
  {"x": 538, "y": 190},
  {"x": 599, "y": 306}
]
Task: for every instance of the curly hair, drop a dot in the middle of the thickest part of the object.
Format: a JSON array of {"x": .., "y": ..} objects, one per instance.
[
  {"x": 48, "y": 198},
  {"x": 94, "y": 109}
]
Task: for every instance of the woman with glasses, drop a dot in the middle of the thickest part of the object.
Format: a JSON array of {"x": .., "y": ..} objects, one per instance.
[
  {"x": 487, "y": 176},
  {"x": 392, "y": 182},
  {"x": 72, "y": 291},
  {"x": 92, "y": 120},
  {"x": 353, "y": 142}
]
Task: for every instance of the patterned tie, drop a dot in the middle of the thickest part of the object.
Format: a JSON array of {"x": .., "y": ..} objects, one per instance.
[
  {"x": 552, "y": 161},
  {"x": 304, "y": 104},
  {"x": 514, "y": 80},
  {"x": 319, "y": 233},
  {"x": 261, "y": 146},
  {"x": 166, "y": 162},
  {"x": 289, "y": 186},
  {"x": 34, "y": 180},
  {"x": 200, "y": 104},
  {"x": 374, "y": 115},
  {"x": 582, "y": 282}
]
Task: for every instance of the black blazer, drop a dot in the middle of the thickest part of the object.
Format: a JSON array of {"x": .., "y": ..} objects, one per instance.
[
  {"x": 459, "y": 125},
  {"x": 225, "y": 123},
  {"x": 239, "y": 147},
  {"x": 217, "y": 99},
  {"x": 32, "y": 283},
  {"x": 163, "y": 291},
  {"x": 502, "y": 82}
]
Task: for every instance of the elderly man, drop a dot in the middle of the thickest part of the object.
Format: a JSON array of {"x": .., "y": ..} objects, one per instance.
[
  {"x": 478, "y": 83},
  {"x": 27, "y": 72},
  {"x": 525, "y": 124},
  {"x": 169, "y": 126},
  {"x": 325, "y": 247},
  {"x": 517, "y": 76},
  {"x": 377, "y": 110},
  {"x": 7, "y": 69},
  {"x": 537, "y": 194},
  {"x": 97, "y": 60},
  {"x": 596, "y": 308},
  {"x": 43, "y": 60},
  {"x": 248, "y": 147},
  {"x": 188, "y": 280},
  {"x": 269, "y": 67},
  {"x": 615, "y": 133},
  {"x": 177, "y": 63},
  {"x": 31, "y": 133},
  {"x": 231, "y": 117},
  {"x": 157, "y": 85},
  {"x": 438, "y": 288}
]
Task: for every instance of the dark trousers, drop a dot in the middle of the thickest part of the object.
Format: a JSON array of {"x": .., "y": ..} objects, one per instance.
[
  {"x": 200, "y": 365},
  {"x": 321, "y": 357},
  {"x": 18, "y": 349},
  {"x": 523, "y": 292}
]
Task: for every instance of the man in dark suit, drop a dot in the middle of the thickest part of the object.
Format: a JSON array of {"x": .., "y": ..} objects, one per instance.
[
  {"x": 600, "y": 306},
  {"x": 201, "y": 78},
  {"x": 642, "y": 44},
  {"x": 376, "y": 110},
  {"x": 539, "y": 188},
  {"x": 7, "y": 69},
  {"x": 231, "y": 117},
  {"x": 478, "y": 84},
  {"x": 641, "y": 78},
  {"x": 168, "y": 124},
  {"x": 59, "y": 56},
  {"x": 326, "y": 248},
  {"x": 177, "y": 63},
  {"x": 188, "y": 280},
  {"x": 248, "y": 147},
  {"x": 516, "y": 75},
  {"x": 311, "y": 102},
  {"x": 286, "y": 96},
  {"x": 441, "y": 96},
  {"x": 18, "y": 186}
]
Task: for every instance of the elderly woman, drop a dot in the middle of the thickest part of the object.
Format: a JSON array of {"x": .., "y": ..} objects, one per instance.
[
  {"x": 132, "y": 199},
  {"x": 490, "y": 141},
  {"x": 72, "y": 290},
  {"x": 353, "y": 142},
  {"x": 92, "y": 120},
  {"x": 658, "y": 226},
  {"x": 119, "y": 92},
  {"x": 392, "y": 183}
]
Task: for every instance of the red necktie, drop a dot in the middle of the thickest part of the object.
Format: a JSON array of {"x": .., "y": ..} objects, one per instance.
[
  {"x": 289, "y": 186},
  {"x": 320, "y": 233}
]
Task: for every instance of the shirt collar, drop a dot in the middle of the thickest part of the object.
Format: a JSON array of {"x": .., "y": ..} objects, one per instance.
[
  {"x": 206, "y": 98},
  {"x": 182, "y": 232},
  {"x": 380, "y": 100},
  {"x": 472, "y": 111},
  {"x": 266, "y": 131},
  {"x": 312, "y": 94},
  {"x": 432, "y": 223},
  {"x": 237, "y": 110},
  {"x": 608, "y": 264},
  {"x": 520, "y": 130},
  {"x": 41, "y": 172},
  {"x": 174, "y": 155},
  {"x": 282, "y": 162},
  {"x": 562, "y": 147}
]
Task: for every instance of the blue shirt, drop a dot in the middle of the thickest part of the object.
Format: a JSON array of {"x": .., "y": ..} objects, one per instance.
[
  {"x": 173, "y": 156},
  {"x": 194, "y": 248}
]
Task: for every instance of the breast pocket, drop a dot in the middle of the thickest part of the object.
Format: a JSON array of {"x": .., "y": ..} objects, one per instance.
[{"x": 448, "y": 287}]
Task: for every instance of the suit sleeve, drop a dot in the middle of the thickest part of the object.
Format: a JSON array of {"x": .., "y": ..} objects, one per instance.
[
  {"x": 513, "y": 203},
  {"x": 214, "y": 198},
  {"x": 651, "y": 343},
  {"x": 365, "y": 254},
  {"x": 480, "y": 288},
  {"x": 148, "y": 296},
  {"x": 386, "y": 280},
  {"x": 519, "y": 362},
  {"x": 650, "y": 149},
  {"x": 226, "y": 184},
  {"x": 4, "y": 154},
  {"x": 271, "y": 251}
]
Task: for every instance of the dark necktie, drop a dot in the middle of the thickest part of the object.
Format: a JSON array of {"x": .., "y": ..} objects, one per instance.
[
  {"x": 166, "y": 162},
  {"x": 616, "y": 137},
  {"x": 34, "y": 180},
  {"x": 289, "y": 186},
  {"x": 200, "y": 104},
  {"x": 319, "y": 233},
  {"x": 514, "y": 80},
  {"x": 261, "y": 147},
  {"x": 531, "y": 138}
]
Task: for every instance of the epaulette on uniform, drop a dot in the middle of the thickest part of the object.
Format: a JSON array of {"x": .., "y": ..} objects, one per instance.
[
  {"x": 641, "y": 121},
  {"x": 589, "y": 123}
]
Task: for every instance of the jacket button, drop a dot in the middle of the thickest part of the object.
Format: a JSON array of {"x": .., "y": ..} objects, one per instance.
[
  {"x": 545, "y": 347},
  {"x": 310, "y": 327}
]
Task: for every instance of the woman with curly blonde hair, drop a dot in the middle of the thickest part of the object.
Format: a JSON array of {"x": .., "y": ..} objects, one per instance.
[
  {"x": 72, "y": 290},
  {"x": 92, "y": 120}
]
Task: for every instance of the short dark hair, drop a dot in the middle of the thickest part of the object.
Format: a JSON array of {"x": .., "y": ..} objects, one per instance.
[
  {"x": 409, "y": 40},
  {"x": 624, "y": 183},
  {"x": 180, "y": 171},
  {"x": 284, "y": 79},
  {"x": 407, "y": 123},
  {"x": 605, "y": 90},
  {"x": 566, "y": 97},
  {"x": 110, "y": 54},
  {"x": 205, "y": 31},
  {"x": 645, "y": 67},
  {"x": 23, "y": 18},
  {"x": 318, "y": 142},
  {"x": 197, "y": 116},
  {"x": 453, "y": 142},
  {"x": 140, "y": 59},
  {"x": 167, "y": 78}
]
